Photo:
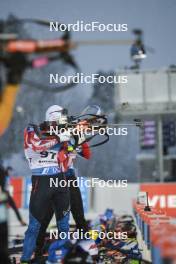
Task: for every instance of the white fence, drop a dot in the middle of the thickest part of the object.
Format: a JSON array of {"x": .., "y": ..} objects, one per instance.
[{"x": 147, "y": 91}]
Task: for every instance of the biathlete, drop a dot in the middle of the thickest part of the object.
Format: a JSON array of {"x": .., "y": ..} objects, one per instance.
[{"x": 50, "y": 157}]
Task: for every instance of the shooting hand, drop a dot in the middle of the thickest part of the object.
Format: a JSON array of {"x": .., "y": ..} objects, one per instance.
[
  {"x": 65, "y": 136},
  {"x": 81, "y": 138}
]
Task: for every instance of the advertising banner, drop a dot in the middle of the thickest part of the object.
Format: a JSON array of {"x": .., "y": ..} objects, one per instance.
[
  {"x": 16, "y": 190},
  {"x": 161, "y": 195}
]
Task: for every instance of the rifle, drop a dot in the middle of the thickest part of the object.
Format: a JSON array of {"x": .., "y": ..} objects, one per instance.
[{"x": 81, "y": 123}]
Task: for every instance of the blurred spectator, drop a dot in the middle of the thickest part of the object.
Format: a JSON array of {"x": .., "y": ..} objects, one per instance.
[{"x": 4, "y": 175}]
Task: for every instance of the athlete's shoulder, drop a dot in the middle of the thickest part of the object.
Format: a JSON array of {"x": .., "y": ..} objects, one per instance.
[
  {"x": 30, "y": 135},
  {"x": 28, "y": 132},
  {"x": 30, "y": 128}
]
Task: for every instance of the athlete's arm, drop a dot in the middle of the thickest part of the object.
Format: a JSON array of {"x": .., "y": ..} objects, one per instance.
[
  {"x": 32, "y": 140},
  {"x": 85, "y": 151}
]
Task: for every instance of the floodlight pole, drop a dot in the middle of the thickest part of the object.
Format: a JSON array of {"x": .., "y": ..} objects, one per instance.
[{"x": 159, "y": 150}]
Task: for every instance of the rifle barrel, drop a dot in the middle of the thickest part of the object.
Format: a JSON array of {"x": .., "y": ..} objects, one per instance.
[{"x": 104, "y": 42}]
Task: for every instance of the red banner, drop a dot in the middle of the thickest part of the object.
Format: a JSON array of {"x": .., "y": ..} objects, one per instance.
[
  {"x": 15, "y": 189},
  {"x": 162, "y": 195}
]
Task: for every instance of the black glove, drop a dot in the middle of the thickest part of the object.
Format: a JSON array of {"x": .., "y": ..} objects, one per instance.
[{"x": 15, "y": 64}]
